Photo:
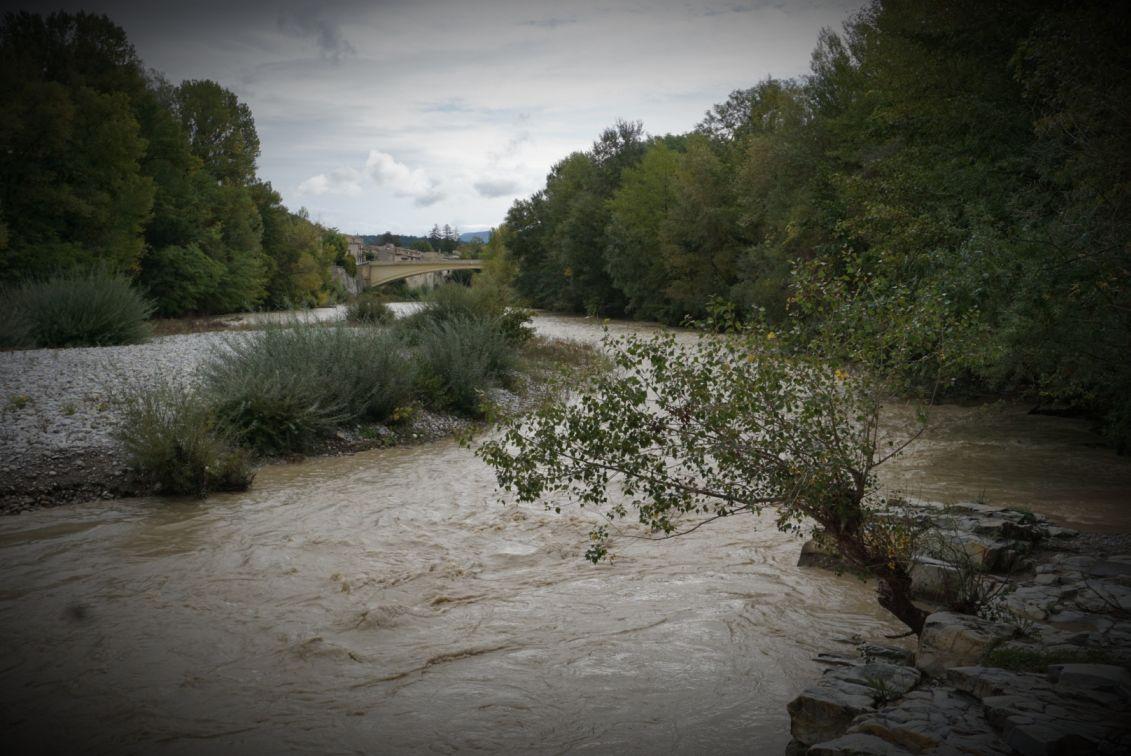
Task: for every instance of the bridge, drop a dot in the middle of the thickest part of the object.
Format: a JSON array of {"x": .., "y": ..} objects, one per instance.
[{"x": 377, "y": 273}]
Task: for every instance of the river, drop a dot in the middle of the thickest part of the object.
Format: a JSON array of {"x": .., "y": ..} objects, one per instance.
[{"x": 388, "y": 602}]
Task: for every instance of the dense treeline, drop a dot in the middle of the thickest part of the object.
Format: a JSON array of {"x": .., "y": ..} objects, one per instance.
[
  {"x": 946, "y": 194},
  {"x": 105, "y": 165}
]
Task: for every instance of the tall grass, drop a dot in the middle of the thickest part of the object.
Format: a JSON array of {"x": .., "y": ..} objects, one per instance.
[
  {"x": 74, "y": 309},
  {"x": 459, "y": 359},
  {"x": 290, "y": 385},
  {"x": 170, "y": 435}
]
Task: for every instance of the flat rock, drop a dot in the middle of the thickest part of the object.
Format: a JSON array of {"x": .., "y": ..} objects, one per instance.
[
  {"x": 935, "y": 720},
  {"x": 956, "y": 640},
  {"x": 1106, "y": 677},
  {"x": 1077, "y": 708},
  {"x": 825, "y": 710},
  {"x": 890, "y": 654}
]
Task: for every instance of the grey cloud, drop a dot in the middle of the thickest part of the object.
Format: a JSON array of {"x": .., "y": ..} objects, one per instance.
[
  {"x": 307, "y": 22},
  {"x": 495, "y": 187},
  {"x": 430, "y": 197},
  {"x": 510, "y": 148},
  {"x": 550, "y": 23}
]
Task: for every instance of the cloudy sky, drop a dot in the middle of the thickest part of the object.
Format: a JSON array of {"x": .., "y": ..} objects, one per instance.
[{"x": 399, "y": 114}]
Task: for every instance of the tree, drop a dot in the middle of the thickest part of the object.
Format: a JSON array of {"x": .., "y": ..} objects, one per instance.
[
  {"x": 639, "y": 211},
  {"x": 436, "y": 238},
  {"x": 220, "y": 129},
  {"x": 72, "y": 193},
  {"x": 680, "y": 436}
]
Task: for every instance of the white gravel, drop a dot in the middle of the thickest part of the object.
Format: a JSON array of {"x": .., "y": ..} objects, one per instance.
[{"x": 63, "y": 399}]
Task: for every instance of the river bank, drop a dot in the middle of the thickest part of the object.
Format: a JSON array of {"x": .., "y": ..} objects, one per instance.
[
  {"x": 61, "y": 407},
  {"x": 1026, "y": 647}
]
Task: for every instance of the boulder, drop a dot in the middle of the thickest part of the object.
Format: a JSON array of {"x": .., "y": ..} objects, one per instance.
[
  {"x": 825, "y": 710},
  {"x": 857, "y": 744},
  {"x": 933, "y": 578},
  {"x": 956, "y": 640},
  {"x": 978, "y": 552},
  {"x": 816, "y": 552}
]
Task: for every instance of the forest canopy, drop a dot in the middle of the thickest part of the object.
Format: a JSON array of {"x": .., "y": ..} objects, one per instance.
[
  {"x": 106, "y": 165},
  {"x": 946, "y": 195}
]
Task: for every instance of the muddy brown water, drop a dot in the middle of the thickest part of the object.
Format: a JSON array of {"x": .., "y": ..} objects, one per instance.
[{"x": 388, "y": 602}]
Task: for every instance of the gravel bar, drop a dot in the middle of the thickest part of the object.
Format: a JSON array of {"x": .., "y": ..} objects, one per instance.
[{"x": 58, "y": 411}]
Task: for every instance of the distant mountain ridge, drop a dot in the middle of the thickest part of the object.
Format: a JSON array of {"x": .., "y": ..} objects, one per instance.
[{"x": 483, "y": 236}]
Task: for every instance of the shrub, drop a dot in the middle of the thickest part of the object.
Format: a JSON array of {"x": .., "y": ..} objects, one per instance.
[
  {"x": 369, "y": 309},
  {"x": 287, "y": 386},
  {"x": 452, "y": 302},
  {"x": 171, "y": 437},
  {"x": 460, "y": 358},
  {"x": 75, "y": 309}
]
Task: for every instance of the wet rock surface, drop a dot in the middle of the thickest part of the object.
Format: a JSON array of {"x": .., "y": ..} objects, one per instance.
[{"x": 1042, "y": 670}]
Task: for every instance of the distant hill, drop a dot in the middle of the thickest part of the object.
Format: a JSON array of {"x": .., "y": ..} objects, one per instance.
[
  {"x": 405, "y": 239},
  {"x": 408, "y": 240}
]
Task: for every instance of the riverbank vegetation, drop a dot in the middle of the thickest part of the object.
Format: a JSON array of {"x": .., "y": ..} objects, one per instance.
[
  {"x": 104, "y": 164},
  {"x": 943, "y": 197},
  {"x": 73, "y": 309},
  {"x": 292, "y": 388}
]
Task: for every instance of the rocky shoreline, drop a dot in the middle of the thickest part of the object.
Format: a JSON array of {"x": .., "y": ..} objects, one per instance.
[{"x": 1041, "y": 668}]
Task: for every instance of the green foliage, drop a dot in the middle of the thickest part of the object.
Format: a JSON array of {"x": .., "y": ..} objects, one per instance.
[
  {"x": 76, "y": 309},
  {"x": 944, "y": 199},
  {"x": 451, "y": 302},
  {"x": 742, "y": 424},
  {"x": 558, "y": 237},
  {"x": 170, "y": 436},
  {"x": 370, "y": 309},
  {"x": 102, "y": 163},
  {"x": 679, "y": 435},
  {"x": 288, "y": 386},
  {"x": 181, "y": 279},
  {"x": 459, "y": 358}
]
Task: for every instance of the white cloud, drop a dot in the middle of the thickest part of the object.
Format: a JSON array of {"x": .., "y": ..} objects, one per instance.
[
  {"x": 386, "y": 170},
  {"x": 330, "y": 81},
  {"x": 342, "y": 181}
]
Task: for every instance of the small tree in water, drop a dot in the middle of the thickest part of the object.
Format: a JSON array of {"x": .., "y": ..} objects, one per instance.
[{"x": 730, "y": 424}]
